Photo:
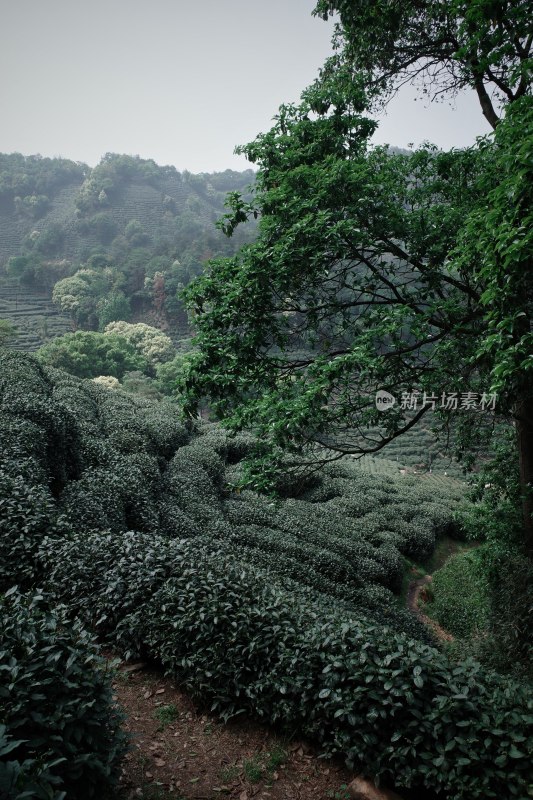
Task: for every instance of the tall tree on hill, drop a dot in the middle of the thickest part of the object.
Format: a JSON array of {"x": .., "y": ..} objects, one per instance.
[{"x": 377, "y": 270}]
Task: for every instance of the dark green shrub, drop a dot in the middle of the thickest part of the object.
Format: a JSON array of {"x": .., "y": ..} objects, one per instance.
[
  {"x": 61, "y": 724},
  {"x": 21, "y": 375},
  {"x": 121, "y": 497},
  {"x": 505, "y": 572},
  {"x": 31, "y": 778},
  {"x": 459, "y": 595},
  {"x": 27, "y": 403},
  {"x": 27, "y": 515},
  {"x": 391, "y": 705},
  {"x": 22, "y": 443},
  {"x": 509, "y": 645}
]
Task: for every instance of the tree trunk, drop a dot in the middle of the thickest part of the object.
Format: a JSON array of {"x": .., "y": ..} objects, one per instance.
[{"x": 524, "y": 430}]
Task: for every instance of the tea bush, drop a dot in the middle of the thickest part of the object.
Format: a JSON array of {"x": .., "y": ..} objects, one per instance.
[
  {"x": 61, "y": 728},
  {"x": 285, "y": 610},
  {"x": 51, "y": 432},
  {"x": 30, "y": 778},
  {"x": 116, "y": 461},
  {"x": 236, "y": 640},
  {"x": 27, "y": 514}
]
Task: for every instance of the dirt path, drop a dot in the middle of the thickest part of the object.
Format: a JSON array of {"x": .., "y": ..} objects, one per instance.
[
  {"x": 415, "y": 591},
  {"x": 181, "y": 752}
]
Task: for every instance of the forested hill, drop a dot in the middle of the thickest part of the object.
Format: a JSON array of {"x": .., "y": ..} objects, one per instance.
[{"x": 148, "y": 228}]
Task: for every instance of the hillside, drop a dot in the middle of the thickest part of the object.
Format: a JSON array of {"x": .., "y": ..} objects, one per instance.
[
  {"x": 152, "y": 226},
  {"x": 289, "y": 611}
]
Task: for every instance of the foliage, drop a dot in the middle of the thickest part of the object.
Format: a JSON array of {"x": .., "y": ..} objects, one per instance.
[
  {"x": 288, "y": 329},
  {"x": 30, "y": 176},
  {"x": 443, "y": 49},
  {"x": 108, "y": 381},
  {"x": 40, "y": 439},
  {"x": 7, "y": 332},
  {"x": 56, "y": 705},
  {"x": 88, "y": 354},
  {"x": 459, "y": 595},
  {"x": 33, "y": 205},
  {"x": 112, "y": 308},
  {"x": 509, "y": 644},
  {"x": 231, "y": 637},
  {"x": 152, "y": 344},
  {"x": 141, "y": 385},
  {"x": 375, "y": 269},
  {"x": 499, "y": 239},
  {"x": 27, "y": 515},
  {"x": 82, "y": 295},
  {"x": 171, "y": 374}
]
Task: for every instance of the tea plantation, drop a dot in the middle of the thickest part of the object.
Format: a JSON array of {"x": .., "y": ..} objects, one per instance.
[
  {"x": 124, "y": 518},
  {"x": 35, "y": 318}
]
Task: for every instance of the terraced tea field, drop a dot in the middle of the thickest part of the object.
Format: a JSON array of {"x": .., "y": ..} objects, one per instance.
[
  {"x": 444, "y": 470},
  {"x": 36, "y": 318}
]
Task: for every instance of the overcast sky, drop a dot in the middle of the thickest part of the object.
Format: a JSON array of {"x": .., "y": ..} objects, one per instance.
[{"x": 182, "y": 82}]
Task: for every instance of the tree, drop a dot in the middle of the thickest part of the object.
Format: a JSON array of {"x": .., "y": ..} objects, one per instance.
[
  {"x": 87, "y": 354},
  {"x": 444, "y": 47},
  {"x": 365, "y": 275},
  {"x": 84, "y": 294},
  {"x": 154, "y": 345},
  {"x": 113, "y": 307}
]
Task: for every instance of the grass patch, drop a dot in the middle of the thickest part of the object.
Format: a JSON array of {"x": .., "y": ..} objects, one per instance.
[
  {"x": 166, "y": 715},
  {"x": 253, "y": 769},
  {"x": 277, "y": 756},
  {"x": 459, "y": 595}
]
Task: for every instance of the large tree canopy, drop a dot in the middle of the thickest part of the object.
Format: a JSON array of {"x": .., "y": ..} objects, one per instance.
[
  {"x": 378, "y": 270},
  {"x": 444, "y": 46}
]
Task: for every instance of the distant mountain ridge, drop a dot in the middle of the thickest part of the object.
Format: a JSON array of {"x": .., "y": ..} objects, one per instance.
[
  {"x": 36, "y": 193},
  {"x": 126, "y": 214}
]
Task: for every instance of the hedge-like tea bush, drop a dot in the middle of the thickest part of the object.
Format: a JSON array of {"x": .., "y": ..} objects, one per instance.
[
  {"x": 61, "y": 727},
  {"x": 27, "y": 514},
  {"x": 30, "y": 778},
  {"x": 270, "y": 608},
  {"x": 392, "y": 706},
  {"x": 119, "y": 462}
]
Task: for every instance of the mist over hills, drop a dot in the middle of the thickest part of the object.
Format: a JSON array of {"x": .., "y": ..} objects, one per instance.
[{"x": 151, "y": 226}]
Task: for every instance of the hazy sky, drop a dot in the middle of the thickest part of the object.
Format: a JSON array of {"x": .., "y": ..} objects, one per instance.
[{"x": 179, "y": 82}]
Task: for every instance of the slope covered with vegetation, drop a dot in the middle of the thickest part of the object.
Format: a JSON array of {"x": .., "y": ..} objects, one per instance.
[
  {"x": 127, "y": 516},
  {"x": 141, "y": 230}
]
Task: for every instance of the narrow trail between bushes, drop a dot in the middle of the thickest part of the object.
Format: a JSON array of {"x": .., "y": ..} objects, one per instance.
[
  {"x": 445, "y": 549},
  {"x": 415, "y": 592},
  {"x": 180, "y": 751}
]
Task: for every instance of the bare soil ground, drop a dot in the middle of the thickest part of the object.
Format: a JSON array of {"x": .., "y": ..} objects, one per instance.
[{"x": 179, "y": 751}]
